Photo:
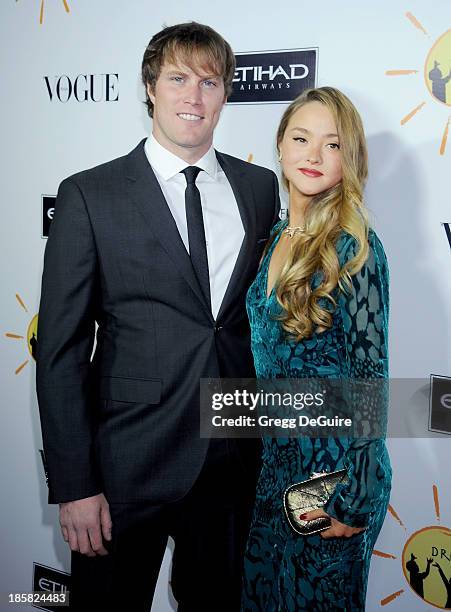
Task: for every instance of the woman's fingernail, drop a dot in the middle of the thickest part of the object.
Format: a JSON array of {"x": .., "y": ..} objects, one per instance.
[{"x": 303, "y": 516}]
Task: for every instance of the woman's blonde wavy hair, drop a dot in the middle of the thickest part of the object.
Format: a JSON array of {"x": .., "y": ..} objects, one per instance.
[{"x": 340, "y": 208}]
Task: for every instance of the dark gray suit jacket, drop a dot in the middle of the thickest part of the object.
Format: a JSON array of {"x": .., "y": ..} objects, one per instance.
[{"x": 126, "y": 422}]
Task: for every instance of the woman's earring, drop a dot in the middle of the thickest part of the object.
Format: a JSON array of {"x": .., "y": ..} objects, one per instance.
[{"x": 280, "y": 156}]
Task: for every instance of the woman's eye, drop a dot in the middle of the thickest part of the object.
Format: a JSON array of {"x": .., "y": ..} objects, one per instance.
[
  {"x": 177, "y": 79},
  {"x": 334, "y": 145},
  {"x": 299, "y": 139}
]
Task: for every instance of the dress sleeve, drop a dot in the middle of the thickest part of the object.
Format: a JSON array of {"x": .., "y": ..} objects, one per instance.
[{"x": 364, "y": 312}]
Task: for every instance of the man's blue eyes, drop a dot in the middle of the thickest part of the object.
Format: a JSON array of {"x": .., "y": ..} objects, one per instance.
[{"x": 180, "y": 79}]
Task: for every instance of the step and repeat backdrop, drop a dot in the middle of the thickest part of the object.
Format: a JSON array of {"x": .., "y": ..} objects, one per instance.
[{"x": 72, "y": 98}]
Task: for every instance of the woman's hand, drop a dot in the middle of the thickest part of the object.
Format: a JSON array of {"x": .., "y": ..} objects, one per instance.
[{"x": 336, "y": 530}]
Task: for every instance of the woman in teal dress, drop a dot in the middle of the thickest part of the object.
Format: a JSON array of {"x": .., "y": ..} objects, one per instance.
[{"x": 319, "y": 309}]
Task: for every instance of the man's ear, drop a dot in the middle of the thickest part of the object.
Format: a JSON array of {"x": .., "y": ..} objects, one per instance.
[{"x": 150, "y": 93}]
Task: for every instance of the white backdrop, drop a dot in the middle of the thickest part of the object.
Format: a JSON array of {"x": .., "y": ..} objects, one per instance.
[{"x": 46, "y": 140}]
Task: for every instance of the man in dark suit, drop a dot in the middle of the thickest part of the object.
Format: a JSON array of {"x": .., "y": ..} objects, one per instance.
[{"x": 158, "y": 248}]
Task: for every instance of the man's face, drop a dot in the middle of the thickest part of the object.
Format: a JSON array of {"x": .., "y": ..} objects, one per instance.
[{"x": 187, "y": 106}]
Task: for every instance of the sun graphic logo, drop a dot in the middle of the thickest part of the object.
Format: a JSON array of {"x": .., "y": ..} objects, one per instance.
[
  {"x": 30, "y": 336},
  {"x": 437, "y": 75},
  {"x": 41, "y": 10},
  {"x": 426, "y": 561}
]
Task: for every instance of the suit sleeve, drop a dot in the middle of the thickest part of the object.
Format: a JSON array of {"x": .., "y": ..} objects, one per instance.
[
  {"x": 276, "y": 201},
  {"x": 65, "y": 341},
  {"x": 365, "y": 322}
]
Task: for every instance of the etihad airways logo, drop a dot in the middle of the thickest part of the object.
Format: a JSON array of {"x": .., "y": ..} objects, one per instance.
[
  {"x": 440, "y": 404},
  {"x": 48, "y": 211},
  {"x": 273, "y": 76}
]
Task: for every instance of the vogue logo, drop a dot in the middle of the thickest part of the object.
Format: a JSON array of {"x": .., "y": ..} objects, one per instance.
[
  {"x": 83, "y": 88},
  {"x": 276, "y": 76}
]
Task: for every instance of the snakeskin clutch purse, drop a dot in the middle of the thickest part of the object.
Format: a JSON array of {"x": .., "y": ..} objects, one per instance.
[{"x": 309, "y": 495}]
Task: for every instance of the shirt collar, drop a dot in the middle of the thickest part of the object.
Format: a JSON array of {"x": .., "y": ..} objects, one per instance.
[{"x": 168, "y": 165}]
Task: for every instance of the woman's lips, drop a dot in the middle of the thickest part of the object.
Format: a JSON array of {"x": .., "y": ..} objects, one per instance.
[{"x": 311, "y": 173}]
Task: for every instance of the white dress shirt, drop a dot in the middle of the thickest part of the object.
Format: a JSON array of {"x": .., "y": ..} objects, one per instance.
[{"x": 224, "y": 231}]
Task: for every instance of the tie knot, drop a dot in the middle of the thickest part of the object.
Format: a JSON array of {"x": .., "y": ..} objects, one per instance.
[{"x": 191, "y": 173}]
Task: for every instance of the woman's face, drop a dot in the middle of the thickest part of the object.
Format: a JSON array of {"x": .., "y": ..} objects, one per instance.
[{"x": 310, "y": 149}]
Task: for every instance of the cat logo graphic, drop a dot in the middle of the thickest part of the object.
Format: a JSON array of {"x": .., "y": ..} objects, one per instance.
[
  {"x": 41, "y": 10},
  {"x": 437, "y": 75},
  {"x": 30, "y": 336},
  {"x": 425, "y": 561}
]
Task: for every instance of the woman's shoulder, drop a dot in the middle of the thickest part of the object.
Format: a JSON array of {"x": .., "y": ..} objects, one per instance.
[{"x": 347, "y": 247}]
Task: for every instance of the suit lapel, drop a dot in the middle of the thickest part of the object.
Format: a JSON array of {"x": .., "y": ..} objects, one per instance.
[
  {"x": 244, "y": 196},
  {"x": 147, "y": 196}
]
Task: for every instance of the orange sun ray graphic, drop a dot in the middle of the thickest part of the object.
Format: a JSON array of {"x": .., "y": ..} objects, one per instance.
[
  {"x": 42, "y": 6},
  {"x": 444, "y": 137},
  {"x": 434, "y": 77},
  {"x": 413, "y": 112},
  {"x": 416, "y": 23},
  {"x": 19, "y": 299},
  {"x": 21, "y": 367},
  {"x": 379, "y": 553},
  {"x": 25, "y": 337},
  {"x": 392, "y": 596},
  {"x": 436, "y": 502},
  {"x": 395, "y": 516},
  {"x": 400, "y": 72}
]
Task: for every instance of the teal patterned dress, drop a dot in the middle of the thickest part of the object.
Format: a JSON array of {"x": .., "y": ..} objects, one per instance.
[{"x": 284, "y": 571}]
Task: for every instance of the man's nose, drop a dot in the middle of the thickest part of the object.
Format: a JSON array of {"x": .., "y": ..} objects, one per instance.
[{"x": 193, "y": 94}]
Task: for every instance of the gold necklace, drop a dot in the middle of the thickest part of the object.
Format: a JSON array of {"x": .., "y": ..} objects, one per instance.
[{"x": 292, "y": 230}]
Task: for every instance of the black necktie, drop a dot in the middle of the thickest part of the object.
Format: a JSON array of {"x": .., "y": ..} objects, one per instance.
[{"x": 196, "y": 231}]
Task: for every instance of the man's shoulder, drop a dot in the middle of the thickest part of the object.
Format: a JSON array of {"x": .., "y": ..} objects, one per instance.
[
  {"x": 245, "y": 167},
  {"x": 108, "y": 171}
]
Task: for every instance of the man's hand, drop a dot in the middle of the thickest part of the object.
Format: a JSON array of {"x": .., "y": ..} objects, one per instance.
[
  {"x": 84, "y": 522},
  {"x": 336, "y": 530}
]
